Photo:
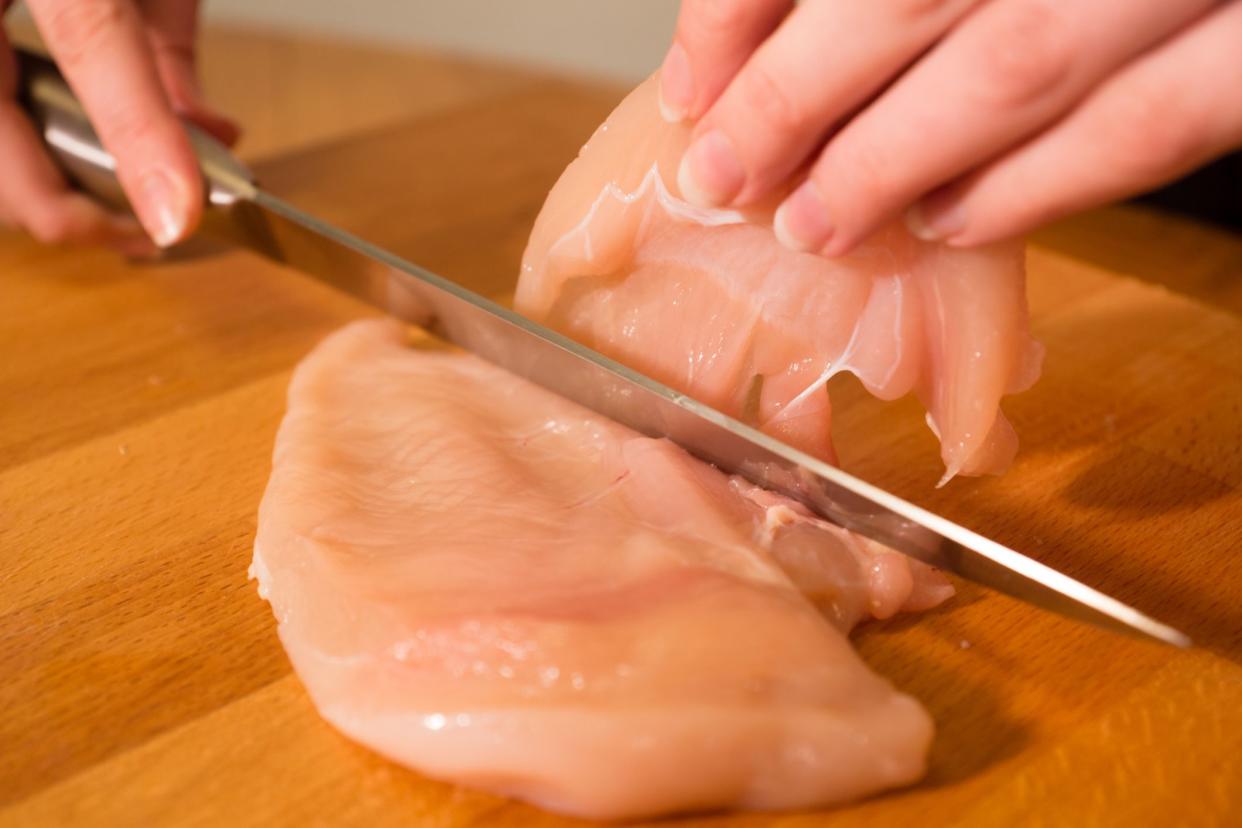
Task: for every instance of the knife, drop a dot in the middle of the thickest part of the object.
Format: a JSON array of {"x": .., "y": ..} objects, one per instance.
[{"x": 240, "y": 212}]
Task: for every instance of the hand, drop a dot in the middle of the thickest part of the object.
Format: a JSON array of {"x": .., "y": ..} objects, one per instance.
[
  {"x": 131, "y": 63},
  {"x": 979, "y": 120}
]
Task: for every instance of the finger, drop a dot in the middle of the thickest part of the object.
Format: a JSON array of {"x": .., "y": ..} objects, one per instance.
[
  {"x": 102, "y": 50},
  {"x": 36, "y": 198},
  {"x": 1149, "y": 124},
  {"x": 792, "y": 90},
  {"x": 33, "y": 193},
  {"x": 1009, "y": 69},
  {"x": 712, "y": 41},
  {"x": 171, "y": 26}
]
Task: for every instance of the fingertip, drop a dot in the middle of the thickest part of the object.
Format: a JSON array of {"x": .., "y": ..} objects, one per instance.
[
  {"x": 802, "y": 222},
  {"x": 977, "y": 237},
  {"x": 676, "y": 88},
  {"x": 687, "y": 186},
  {"x": 710, "y": 173},
  {"x": 668, "y": 112},
  {"x": 918, "y": 226},
  {"x": 935, "y": 220},
  {"x": 167, "y": 205}
]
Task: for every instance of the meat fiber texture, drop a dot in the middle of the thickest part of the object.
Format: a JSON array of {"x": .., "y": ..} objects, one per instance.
[
  {"x": 708, "y": 302},
  {"x": 494, "y": 586}
]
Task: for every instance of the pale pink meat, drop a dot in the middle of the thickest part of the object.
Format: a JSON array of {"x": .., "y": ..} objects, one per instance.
[
  {"x": 493, "y": 586},
  {"x": 710, "y": 303}
]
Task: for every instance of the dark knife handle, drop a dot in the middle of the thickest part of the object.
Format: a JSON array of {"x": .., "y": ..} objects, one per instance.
[{"x": 73, "y": 143}]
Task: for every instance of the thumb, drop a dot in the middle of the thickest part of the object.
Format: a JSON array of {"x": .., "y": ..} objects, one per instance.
[{"x": 102, "y": 49}]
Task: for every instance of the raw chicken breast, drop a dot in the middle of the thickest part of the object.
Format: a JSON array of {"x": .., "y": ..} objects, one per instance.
[
  {"x": 494, "y": 586},
  {"x": 708, "y": 301}
]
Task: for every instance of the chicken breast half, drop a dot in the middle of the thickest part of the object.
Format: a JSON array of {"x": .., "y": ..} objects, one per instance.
[
  {"x": 708, "y": 302},
  {"x": 493, "y": 586}
]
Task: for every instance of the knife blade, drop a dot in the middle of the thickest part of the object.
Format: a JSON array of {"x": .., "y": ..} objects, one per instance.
[{"x": 242, "y": 213}]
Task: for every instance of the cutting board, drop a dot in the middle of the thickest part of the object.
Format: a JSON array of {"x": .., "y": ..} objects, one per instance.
[{"x": 141, "y": 680}]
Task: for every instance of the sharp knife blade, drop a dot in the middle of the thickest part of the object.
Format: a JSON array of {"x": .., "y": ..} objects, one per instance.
[{"x": 244, "y": 214}]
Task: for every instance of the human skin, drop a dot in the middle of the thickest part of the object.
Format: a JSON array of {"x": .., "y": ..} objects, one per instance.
[
  {"x": 131, "y": 62},
  {"x": 977, "y": 119}
]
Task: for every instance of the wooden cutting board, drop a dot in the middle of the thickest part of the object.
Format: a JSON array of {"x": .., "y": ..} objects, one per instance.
[{"x": 141, "y": 680}]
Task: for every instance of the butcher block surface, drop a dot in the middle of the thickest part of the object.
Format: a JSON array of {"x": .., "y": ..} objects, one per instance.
[{"x": 141, "y": 679}]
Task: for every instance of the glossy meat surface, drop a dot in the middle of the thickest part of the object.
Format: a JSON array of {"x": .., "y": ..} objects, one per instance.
[
  {"x": 493, "y": 586},
  {"x": 708, "y": 302}
]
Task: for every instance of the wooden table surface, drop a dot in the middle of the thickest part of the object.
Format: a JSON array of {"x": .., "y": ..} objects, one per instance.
[{"x": 140, "y": 675}]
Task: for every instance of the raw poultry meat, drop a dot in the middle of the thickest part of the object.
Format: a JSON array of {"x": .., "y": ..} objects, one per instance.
[
  {"x": 708, "y": 302},
  {"x": 494, "y": 586}
]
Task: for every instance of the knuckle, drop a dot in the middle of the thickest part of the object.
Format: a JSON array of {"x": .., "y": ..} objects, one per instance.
[
  {"x": 76, "y": 29},
  {"x": 1028, "y": 54},
  {"x": 771, "y": 102},
  {"x": 1149, "y": 133},
  {"x": 716, "y": 19},
  {"x": 128, "y": 125}
]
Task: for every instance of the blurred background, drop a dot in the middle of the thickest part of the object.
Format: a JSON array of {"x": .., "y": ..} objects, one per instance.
[{"x": 622, "y": 40}]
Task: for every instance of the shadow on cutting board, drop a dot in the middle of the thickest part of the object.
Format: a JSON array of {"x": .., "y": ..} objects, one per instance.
[
  {"x": 1134, "y": 482},
  {"x": 1167, "y": 566},
  {"x": 973, "y": 730}
]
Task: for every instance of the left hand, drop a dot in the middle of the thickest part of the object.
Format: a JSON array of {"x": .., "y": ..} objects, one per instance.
[{"x": 979, "y": 119}]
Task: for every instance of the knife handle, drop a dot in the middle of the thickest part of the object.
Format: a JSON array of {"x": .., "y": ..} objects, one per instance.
[{"x": 73, "y": 143}]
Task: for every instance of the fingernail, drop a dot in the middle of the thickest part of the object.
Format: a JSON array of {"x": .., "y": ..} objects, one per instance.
[
  {"x": 932, "y": 222},
  {"x": 801, "y": 222},
  {"x": 710, "y": 174},
  {"x": 162, "y": 208},
  {"x": 676, "y": 87}
]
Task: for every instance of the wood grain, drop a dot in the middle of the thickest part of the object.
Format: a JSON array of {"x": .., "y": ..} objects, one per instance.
[
  {"x": 140, "y": 676},
  {"x": 1196, "y": 259}
]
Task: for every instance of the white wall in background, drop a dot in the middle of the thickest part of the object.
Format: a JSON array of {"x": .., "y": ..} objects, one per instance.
[{"x": 621, "y": 39}]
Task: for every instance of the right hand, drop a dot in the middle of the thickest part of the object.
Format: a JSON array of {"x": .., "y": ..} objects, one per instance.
[{"x": 131, "y": 63}]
